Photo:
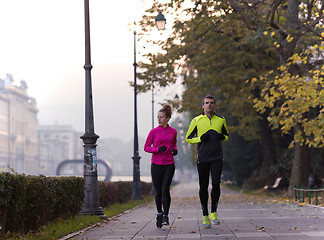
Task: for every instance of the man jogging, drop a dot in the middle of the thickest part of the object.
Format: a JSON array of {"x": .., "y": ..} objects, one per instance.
[{"x": 208, "y": 130}]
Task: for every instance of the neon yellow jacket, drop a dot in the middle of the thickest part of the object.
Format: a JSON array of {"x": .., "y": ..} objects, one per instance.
[{"x": 216, "y": 130}]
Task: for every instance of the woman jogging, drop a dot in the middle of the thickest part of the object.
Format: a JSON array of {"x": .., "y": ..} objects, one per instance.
[{"x": 162, "y": 143}]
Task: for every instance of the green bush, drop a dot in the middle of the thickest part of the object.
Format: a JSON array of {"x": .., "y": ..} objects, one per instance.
[
  {"x": 119, "y": 192},
  {"x": 28, "y": 202}
]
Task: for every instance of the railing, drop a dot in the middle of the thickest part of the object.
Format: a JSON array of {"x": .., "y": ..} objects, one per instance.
[{"x": 301, "y": 191}]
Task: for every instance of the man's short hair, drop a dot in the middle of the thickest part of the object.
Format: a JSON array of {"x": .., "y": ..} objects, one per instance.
[{"x": 209, "y": 97}]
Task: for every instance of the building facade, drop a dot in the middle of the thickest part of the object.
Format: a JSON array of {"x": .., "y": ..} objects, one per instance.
[
  {"x": 56, "y": 144},
  {"x": 25, "y": 146},
  {"x": 18, "y": 128}
]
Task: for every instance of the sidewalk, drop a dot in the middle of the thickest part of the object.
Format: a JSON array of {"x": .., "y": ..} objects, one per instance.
[{"x": 239, "y": 220}]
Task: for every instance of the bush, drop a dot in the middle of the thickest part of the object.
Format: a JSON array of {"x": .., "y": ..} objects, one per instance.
[
  {"x": 28, "y": 202},
  {"x": 119, "y": 192}
]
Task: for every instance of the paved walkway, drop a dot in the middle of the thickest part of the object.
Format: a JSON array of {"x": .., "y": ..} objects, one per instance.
[{"x": 240, "y": 219}]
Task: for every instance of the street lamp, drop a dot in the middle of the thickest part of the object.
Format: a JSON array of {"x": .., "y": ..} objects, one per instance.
[
  {"x": 91, "y": 195},
  {"x": 160, "y": 21},
  {"x": 136, "y": 191},
  {"x": 152, "y": 104},
  {"x": 160, "y": 24}
]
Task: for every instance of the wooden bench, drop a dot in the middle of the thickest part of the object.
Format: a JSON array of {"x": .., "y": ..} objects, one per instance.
[{"x": 277, "y": 184}]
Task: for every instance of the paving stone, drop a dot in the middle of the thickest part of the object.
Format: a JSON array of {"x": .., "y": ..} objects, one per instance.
[{"x": 240, "y": 219}]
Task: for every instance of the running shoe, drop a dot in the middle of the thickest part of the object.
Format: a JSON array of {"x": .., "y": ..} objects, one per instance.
[
  {"x": 214, "y": 218},
  {"x": 206, "y": 221},
  {"x": 159, "y": 220},
  {"x": 165, "y": 220}
]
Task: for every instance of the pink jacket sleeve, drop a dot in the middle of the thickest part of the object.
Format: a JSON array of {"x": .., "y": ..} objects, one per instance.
[
  {"x": 148, "y": 144},
  {"x": 174, "y": 143}
]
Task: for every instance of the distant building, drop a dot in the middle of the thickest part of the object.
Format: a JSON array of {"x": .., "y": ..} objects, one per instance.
[
  {"x": 56, "y": 144},
  {"x": 18, "y": 128},
  {"x": 25, "y": 146}
]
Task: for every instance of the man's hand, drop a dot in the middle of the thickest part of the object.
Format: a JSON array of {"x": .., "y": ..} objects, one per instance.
[
  {"x": 220, "y": 136},
  {"x": 162, "y": 148},
  {"x": 204, "y": 137}
]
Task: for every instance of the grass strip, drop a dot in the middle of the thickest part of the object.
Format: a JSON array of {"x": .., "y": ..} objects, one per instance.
[{"x": 62, "y": 227}]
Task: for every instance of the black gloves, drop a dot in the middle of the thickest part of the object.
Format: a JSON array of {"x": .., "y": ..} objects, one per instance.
[
  {"x": 204, "y": 137},
  {"x": 162, "y": 148},
  {"x": 220, "y": 136}
]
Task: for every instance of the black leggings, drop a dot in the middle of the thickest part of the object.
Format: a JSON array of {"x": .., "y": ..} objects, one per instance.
[
  {"x": 162, "y": 177},
  {"x": 204, "y": 168}
]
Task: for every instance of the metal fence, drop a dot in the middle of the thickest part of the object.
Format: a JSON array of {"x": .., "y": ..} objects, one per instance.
[{"x": 314, "y": 192}]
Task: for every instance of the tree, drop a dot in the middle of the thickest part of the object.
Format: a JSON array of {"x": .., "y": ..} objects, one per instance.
[
  {"x": 215, "y": 53},
  {"x": 217, "y": 45},
  {"x": 297, "y": 104},
  {"x": 295, "y": 25}
]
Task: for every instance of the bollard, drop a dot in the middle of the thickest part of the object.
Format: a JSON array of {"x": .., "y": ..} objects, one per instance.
[
  {"x": 303, "y": 193},
  {"x": 298, "y": 194}
]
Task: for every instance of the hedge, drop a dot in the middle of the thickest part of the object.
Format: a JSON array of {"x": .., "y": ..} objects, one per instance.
[
  {"x": 113, "y": 192},
  {"x": 28, "y": 202}
]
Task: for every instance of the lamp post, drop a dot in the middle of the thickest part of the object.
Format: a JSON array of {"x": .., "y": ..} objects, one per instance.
[
  {"x": 152, "y": 104},
  {"x": 91, "y": 195},
  {"x": 160, "y": 24},
  {"x": 136, "y": 191}
]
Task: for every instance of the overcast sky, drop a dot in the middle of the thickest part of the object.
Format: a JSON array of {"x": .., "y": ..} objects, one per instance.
[{"x": 42, "y": 42}]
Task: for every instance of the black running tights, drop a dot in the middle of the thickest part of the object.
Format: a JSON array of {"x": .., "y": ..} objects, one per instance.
[
  {"x": 162, "y": 177},
  {"x": 204, "y": 168}
]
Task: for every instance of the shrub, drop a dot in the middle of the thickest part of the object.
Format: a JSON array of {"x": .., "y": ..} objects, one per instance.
[
  {"x": 28, "y": 202},
  {"x": 113, "y": 192}
]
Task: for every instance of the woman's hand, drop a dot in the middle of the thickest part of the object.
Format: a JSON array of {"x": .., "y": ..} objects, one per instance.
[{"x": 162, "y": 148}]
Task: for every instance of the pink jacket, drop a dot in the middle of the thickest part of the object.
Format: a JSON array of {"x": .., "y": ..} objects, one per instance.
[{"x": 158, "y": 137}]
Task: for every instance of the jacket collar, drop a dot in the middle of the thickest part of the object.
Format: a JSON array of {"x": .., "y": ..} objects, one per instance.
[
  {"x": 163, "y": 127},
  {"x": 207, "y": 116}
]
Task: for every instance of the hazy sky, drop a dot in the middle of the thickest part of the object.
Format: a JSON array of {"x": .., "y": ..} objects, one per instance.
[{"x": 42, "y": 42}]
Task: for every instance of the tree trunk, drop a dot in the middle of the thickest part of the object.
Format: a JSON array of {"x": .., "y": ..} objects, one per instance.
[
  {"x": 302, "y": 157},
  {"x": 300, "y": 168},
  {"x": 268, "y": 151}
]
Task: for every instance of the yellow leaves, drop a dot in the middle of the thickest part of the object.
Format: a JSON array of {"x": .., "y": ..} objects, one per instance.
[
  {"x": 265, "y": 33},
  {"x": 282, "y": 68},
  {"x": 290, "y": 98},
  {"x": 322, "y": 34},
  {"x": 301, "y": 204},
  {"x": 289, "y": 38}
]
